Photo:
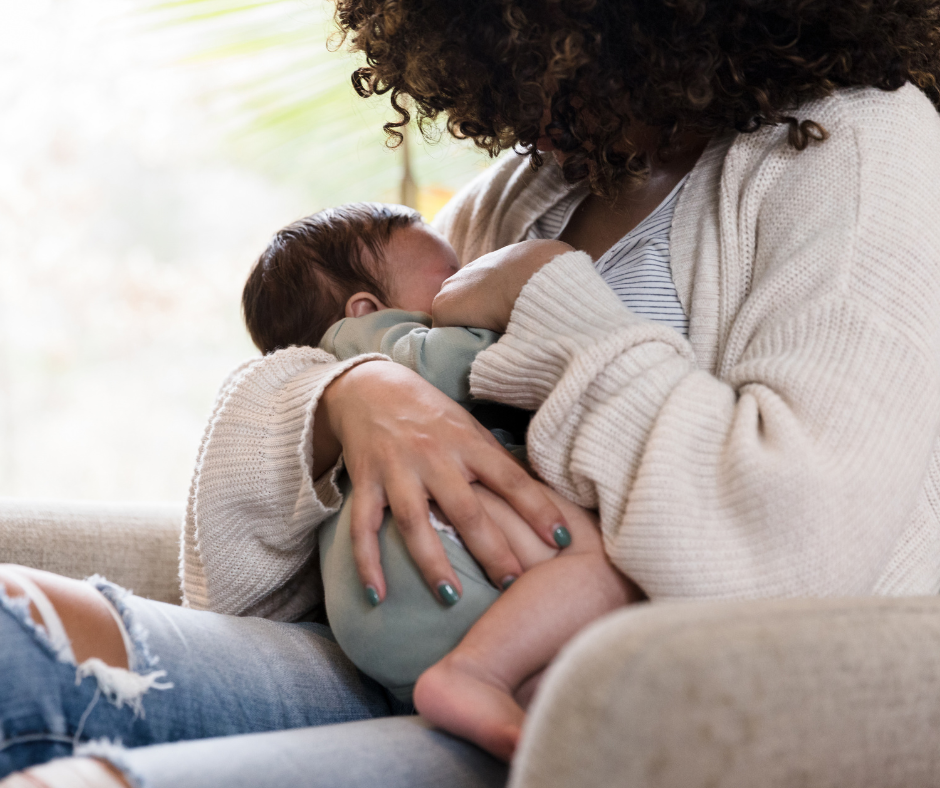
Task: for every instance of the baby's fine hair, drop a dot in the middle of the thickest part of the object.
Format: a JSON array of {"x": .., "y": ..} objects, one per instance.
[{"x": 299, "y": 286}]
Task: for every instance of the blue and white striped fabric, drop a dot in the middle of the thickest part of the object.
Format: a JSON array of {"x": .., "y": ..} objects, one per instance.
[
  {"x": 637, "y": 267},
  {"x": 555, "y": 219}
]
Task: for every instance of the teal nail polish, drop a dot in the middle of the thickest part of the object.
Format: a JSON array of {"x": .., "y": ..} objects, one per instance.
[
  {"x": 561, "y": 536},
  {"x": 508, "y": 580},
  {"x": 373, "y": 596},
  {"x": 448, "y": 594}
]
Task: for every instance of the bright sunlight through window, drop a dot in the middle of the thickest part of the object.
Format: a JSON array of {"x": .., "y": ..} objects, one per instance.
[{"x": 148, "y": 152}]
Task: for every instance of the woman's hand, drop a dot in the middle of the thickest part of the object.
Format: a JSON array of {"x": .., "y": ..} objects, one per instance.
[
  {"x": 406, "y": 443},
  {"x": 483, "y": 292}
]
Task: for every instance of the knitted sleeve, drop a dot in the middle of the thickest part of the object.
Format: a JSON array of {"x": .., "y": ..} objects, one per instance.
[
  {"x": 794, "y": 466},
  {"x": 249, "y": 542}
]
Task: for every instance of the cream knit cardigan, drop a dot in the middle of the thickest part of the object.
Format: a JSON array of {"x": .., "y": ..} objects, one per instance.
[{"x": 788, "y": 448}]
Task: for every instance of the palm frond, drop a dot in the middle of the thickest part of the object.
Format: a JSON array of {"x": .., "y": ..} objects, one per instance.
[{"x": 291, "y": 108}]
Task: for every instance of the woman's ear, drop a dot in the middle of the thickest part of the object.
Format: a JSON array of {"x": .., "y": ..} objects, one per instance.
[{"x": 359, "y": 304}]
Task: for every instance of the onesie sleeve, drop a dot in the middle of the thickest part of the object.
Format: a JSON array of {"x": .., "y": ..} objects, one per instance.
[{"x": 442, "y": 356}]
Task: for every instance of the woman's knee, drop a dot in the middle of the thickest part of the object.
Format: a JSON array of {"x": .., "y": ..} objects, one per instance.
[
  {"x": 71, "y": 611},
  {"x": 68, "y": 773}
]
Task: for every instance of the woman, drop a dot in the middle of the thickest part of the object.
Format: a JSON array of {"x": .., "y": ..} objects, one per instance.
[{"x": 786, "y": 446}]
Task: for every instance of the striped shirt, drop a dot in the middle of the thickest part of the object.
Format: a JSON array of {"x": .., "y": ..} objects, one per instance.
[{"x": 637, "y": 268}]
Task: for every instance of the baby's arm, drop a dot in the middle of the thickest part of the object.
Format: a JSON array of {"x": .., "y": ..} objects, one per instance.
[
  {"x": 442, "y": 356},
  {"x": 484, "y": 292}
]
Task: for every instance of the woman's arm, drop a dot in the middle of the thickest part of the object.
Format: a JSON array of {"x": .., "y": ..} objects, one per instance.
[
  {"x": 265, "y": 479},
  {"x": 792, "y": 472},
  {"x": 249, "y": 542},
  {"x": 795, "y": 466}
]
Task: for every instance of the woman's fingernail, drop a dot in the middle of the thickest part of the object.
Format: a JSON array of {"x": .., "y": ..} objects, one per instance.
[
  {"x": 561, "y": 536},
  {"x": 508, "y": 580},
  {"x": 448, "y": 594},
  {"x": 373, "y": 596}
]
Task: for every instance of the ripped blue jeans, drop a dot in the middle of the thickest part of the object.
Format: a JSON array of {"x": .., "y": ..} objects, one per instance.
[
  {"x": 217, "y": 700},
  {"x": 192, "y": 675}
]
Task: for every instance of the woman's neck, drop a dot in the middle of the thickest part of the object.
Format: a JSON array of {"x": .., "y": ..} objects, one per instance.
[{"x": 598, "y": 224}]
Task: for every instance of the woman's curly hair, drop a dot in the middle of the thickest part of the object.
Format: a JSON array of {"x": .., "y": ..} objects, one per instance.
[{"x": 491, "y": 67}]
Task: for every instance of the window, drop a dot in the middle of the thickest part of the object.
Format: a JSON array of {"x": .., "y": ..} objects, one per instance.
[{"x": 148, "y": 152}]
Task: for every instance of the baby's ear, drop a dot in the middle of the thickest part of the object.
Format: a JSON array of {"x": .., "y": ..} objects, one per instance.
[{"x": 360, "y": 304}]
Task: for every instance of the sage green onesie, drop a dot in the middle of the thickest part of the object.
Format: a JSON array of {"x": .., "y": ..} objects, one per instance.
[{"x": 411, "y": 630}]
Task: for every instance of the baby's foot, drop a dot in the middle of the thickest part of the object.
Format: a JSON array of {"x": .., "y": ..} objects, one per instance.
[{"x": 460, "y": 696}]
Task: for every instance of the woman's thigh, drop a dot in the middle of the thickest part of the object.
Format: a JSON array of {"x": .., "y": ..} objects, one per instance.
[
  {"x": 400, "y": 752},
  {"x": 196, "y": 674}
]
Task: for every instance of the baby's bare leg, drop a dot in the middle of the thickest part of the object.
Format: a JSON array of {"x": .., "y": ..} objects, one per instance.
[{"x": 471, "y": 691}]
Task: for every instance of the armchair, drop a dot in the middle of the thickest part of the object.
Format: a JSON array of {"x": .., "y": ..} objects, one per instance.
[{"x": 808, "y": 693}]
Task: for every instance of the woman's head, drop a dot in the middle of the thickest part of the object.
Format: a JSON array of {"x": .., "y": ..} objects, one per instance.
[{"x": 492, "y": 67}]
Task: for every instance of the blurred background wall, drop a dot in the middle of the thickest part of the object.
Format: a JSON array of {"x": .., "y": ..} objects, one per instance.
[{"x": 147, "y": 152}]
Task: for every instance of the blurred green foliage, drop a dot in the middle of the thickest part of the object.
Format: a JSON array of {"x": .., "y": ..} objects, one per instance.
[{"x": 289, "y": 105}]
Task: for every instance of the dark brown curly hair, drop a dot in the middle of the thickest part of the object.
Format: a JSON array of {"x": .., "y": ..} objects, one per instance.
[{"x": 491, "y": 67}]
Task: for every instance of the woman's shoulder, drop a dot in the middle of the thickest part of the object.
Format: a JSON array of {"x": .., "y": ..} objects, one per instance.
[
  {"x": 879, "y": 125},
  {"x": 871, "y": 137},
  {"x": 896, "y": 107},
  {"x": 854, "y": 213},
  {"x": 899, "y": 121}
]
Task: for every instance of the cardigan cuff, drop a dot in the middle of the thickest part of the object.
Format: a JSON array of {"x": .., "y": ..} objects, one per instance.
[
  {"x": 570, "y": 346},
  {"x": 256, "y": 508},
  {"x": 564, "y": 311}
]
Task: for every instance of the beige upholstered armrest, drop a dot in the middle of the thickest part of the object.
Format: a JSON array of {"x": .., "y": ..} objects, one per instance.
[
  {"x": 836, "y": 693},
  {"x": 134, "y": 545}
]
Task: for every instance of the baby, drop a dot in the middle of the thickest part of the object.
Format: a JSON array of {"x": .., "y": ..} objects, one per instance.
[{"x": 362, "y": 278}]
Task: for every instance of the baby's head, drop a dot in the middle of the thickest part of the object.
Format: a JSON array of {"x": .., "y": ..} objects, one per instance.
[{"x": 343, "y": 262}]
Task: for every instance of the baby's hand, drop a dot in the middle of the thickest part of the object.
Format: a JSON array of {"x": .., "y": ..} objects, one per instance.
[{"x": 483, "y": 292}]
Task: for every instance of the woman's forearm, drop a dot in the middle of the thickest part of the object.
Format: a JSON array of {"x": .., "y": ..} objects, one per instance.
[
  {"x": 405, "y": 443},
  {"x": 791, "y": 473},
  {"x": 255, "y": 496}
]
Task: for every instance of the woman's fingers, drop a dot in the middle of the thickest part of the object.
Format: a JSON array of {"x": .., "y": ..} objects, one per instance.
[
  {"x": 408, "y": 502},
  {"x": 484, "y": 539},
  {"x": 527, "y": 496},
  {"x": 405, "y": 443},
  {"x": 367, "y": 511}
]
